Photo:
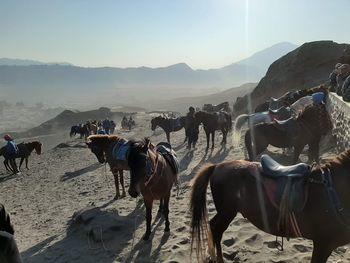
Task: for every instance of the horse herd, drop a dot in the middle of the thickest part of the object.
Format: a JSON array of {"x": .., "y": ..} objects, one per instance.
[{"x": 288, "y": 201}]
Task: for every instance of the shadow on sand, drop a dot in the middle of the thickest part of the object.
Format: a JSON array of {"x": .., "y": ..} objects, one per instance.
[
  {"x": 80, "y": 244},
  {"x": 71, "y": 175}
]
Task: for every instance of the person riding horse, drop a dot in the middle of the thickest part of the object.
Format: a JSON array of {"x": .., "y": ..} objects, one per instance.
[
  {"x": 10, "y": 152},
  {"x": 191, "y": 128}
]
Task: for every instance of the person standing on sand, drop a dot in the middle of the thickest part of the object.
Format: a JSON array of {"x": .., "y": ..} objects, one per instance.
[
  {"x": 11, "y": 151},
  {"x": 191, "y": 128}
]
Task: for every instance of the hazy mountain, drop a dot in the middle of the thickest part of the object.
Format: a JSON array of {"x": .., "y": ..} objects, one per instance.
[
  {"x": 67, "y": 84},
  {"x": 27, "y": 62}
]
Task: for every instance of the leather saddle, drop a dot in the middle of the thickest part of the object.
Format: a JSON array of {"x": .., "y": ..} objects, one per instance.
[
  {"x": 287, "y": 190},
  {"x": 164, "y": 148},
  {"x": 273, "y": 169}
]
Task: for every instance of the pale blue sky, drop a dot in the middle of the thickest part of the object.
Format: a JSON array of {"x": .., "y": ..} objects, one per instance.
[{"x": 201, "y": 33}]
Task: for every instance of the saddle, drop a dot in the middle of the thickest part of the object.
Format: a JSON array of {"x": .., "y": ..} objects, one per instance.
[
  {"x": 287, "y": 190},
  {"x": 120, "y": 150},
  {"x": 281, "y": 113},
  {"x": 164, "y": 148}
]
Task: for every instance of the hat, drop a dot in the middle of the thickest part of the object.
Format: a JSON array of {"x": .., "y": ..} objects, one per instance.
[
  {"x": 191, "y": 108},
  {"x": 318, "y": 98},
  {"x": 7, "y": 137}
]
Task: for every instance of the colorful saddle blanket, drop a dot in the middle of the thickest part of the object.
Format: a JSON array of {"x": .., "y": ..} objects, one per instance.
[{"x": 121, "y": 150}]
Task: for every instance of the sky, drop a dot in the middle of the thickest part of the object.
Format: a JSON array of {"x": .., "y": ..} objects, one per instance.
[{"x": 155, "y": 33}]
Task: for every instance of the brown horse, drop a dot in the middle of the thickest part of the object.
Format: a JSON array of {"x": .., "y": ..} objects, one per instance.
[
  {"x": 153, "y": 176},
  {"x": 238, "y": 186},
  {"x": 212, "y": 122},
  {"x": 102, "y": 146},
  {"x": 24, "y": 151},
  {"x": 168, "y": 125},
  {"x": 308, "y": 128}
]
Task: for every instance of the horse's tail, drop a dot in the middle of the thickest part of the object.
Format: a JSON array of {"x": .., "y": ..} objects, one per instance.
[
  {"x": 239, "y": 122},
  {"x": 199, "y": 224}
]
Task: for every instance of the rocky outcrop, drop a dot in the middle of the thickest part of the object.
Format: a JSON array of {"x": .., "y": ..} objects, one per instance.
[
  {"x": 305, "y": 67},
  {"x": 340, "y": 115}
]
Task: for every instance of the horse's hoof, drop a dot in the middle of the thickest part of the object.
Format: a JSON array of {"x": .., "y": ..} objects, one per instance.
[
  {"x": 146, "y": 236},
  {"x": 116, "y": 197},
  {"x": 123, "y": 195}
]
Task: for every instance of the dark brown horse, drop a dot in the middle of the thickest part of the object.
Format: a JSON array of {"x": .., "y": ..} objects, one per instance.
[
  {"x": 168, "y": 125},
  {"x": 153, "y": 176},
  {"x": 24, "y": 151},
  {"x": 212, "y": 122},
  {"x": 224, "y": 106},
  {"x": 307, "y": 129},
  {"x": 289, "y": 98},
  {"x": 8, "y": 248},
  {"x": 235, "y": 188},
  {"x": 102, "y": 146}
]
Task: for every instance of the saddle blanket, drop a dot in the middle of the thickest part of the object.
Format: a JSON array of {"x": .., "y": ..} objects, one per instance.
[{"x": 121, "y": 150}]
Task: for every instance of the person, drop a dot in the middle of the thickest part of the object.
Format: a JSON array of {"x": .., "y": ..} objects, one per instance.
[
  {"x": 11, "y": 151},
  {"x": 346, "y": 89},
  {"x": 100, "y": 130},
  {"x": 191, "y": 128},
  {"x": 113, "y": 125},
  {"x": 343, "y": 73},
  {"x": 106, "y": 125},
  {"x": 333, "y": 78},
  {"x": 124, "y": 122}
]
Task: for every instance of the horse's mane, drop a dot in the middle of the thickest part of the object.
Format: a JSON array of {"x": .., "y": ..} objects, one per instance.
[{"x": 103, "y": 137}]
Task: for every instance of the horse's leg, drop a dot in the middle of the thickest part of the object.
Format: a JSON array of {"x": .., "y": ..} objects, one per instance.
[
  {"x": 314, "y": 151},
  {"x": 166, "y": 213},
  {"x": 208, "y": 135},
  {"x": 297, "y": 151},
  {"x": 27, "y": 162},
  {"x": 168, "y": 137},
  {"x": 116, "y": 182},
  {"x": 148, "y": 205},
  {"x": 6, "y": 164},
  {"x": 320, "y": 253},
  {"x": 121, "y": 177},
  {"x": 218, "y": 225},
  {"x": 21, "y": 162},
  {"x": 161, "y": 206},
  {"x": 212, "y": 139}
]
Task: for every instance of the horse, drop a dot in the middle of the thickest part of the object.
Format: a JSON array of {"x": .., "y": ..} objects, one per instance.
[
  {"x": 82, "y": 130},
  {"x": 8, "y": 248},
  {"x": 12, "y": 166},
  {"x": 212, "y": 122},
  {"x": 152, "y": 176},
  {"x": 168, "y": 125},
  {"x": 224, "y": 106},
  {"x": 24, "y": 151},
  {"x": 313, "y": 123},
  {"x": 241, "y": 186},
  {"x": 289, "y": 98},
  {"x": 102, "y": 146}
]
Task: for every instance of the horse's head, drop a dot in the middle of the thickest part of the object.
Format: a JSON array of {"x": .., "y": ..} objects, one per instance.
[
  {"x": 37, "y": 147},
  {"x": 137, "y": 161},
  {"x": 155, "y": 122},
  {"x": 98, "y": 146}
]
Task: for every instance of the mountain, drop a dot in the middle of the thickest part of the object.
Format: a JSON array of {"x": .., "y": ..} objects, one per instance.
[
  {"x": 27, "y": 62},
  {"x": 71, "y": 85},
  {"x": 305, "y": 67},
  {"x": 181, "y": 104}
]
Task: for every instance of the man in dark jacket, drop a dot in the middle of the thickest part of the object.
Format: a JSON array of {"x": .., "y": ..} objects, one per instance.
[{"x": 192, "y": 128}]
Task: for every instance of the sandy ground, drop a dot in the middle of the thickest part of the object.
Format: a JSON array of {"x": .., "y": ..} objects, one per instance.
[{"x": 62, "y": 181}]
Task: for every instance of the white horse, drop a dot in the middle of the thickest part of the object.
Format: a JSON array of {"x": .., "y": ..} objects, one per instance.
[{"x": 252, "y": 119}]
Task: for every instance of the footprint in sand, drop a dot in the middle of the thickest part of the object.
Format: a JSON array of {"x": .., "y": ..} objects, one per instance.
[
  {"x": 301, "y": 248},
  {"x": 251, "y": 240},
  {"x": 229, "y": 242},
  {"x": 181, "y": 229},
  {"x": 184, "y": 241}
]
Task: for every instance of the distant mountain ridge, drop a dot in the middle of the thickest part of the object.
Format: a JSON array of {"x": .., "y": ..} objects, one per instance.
[
  {"x": 127, "y": 85},
  {"x": 28, "y": 62}
]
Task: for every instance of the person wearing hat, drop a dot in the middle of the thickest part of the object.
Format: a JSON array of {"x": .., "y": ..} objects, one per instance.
[
  {"x": 333, "y": 78},
  {"x": 191, "y": 128},
  {"x": 11, "y": 151},
  {"x": 346, "y": 89}
]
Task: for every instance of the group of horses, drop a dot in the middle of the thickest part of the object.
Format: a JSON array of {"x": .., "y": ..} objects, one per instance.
[
  {"x": 90, "y": 128},
  {"x": 24, "y": 151},
  {"x": 211, "y": 121}
]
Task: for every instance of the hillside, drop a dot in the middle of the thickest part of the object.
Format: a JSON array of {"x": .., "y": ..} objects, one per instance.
[
  {"x": 307, "y": 66},
  {"x": 181, "y": 104}
]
